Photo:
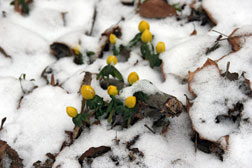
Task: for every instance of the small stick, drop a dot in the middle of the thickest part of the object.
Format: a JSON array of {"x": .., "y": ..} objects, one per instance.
[
  {"x": 2, "y": 123},
  {"x": 219, "y": 33},
  {"x": 227, "y": 68},
  {"x": 151, "y": 130}
]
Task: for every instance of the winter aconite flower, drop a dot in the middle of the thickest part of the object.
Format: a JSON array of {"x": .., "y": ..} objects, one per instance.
[
  {"x": 76, "y": 50},
  {"x": 112, "y": 90},
  {"x": 133, "y": 77},
  {"x": 111, "y": 59},
  {"x": 71, "y": 111},
  {"x": 112, "y": 38},
  {"x": 87, "y": 92},
  {"x": 130, "y": 102},
  {"x": 143, "y": 25},
  {"x": 160, "y": 47},
  {"x": 146, "y": 36}
]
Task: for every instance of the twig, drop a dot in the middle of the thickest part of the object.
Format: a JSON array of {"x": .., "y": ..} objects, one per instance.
[
  {"x": 2, "y": 123},
  {"x": 53, "y": 80},
  {"x": 219, "y": 33},
  {"x": 63, "y": 15},
  {"x": 151, "y": 130},
  {"x": 227, "y": 68},
  {"x": 93, "y": 21},
  {"x": 4, "y": 53}
]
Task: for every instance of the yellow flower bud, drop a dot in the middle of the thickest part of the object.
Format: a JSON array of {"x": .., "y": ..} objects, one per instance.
[
  {"x": 112, "y": 90},
  {"x": 146, "y": 36},
  {"x": 133, "y": 77},
  {"x": 130, "y": 102},
  {"x": 143, "y": 25},
  {"x": 76, "y": 50},
  {"x": 87, "y": 92},
  {"x": 160, "y": 47},
  {"x": 112, "y": 38},
  {"x": 112, "y": 59},
  {"x": 71, "y": 111}
]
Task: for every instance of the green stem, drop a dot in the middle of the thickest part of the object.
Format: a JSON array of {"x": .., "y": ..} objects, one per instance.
[{"x": 111, "y": 115}]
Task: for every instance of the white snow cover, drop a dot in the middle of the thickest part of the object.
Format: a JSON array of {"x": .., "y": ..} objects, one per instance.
[
  {"x": 38, "y": 126},
  {"x": 229, "y": 14},
  {"x": 141, "y": 85},
  {"x": 43, "y": 110}
]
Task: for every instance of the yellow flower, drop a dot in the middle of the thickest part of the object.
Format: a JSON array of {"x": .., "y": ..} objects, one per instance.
[
  {"x": 130, "y": 102},
  {"x": 87, "y": 92},
  {"x": 76, "y": 50},
  {"x": 112, "y": 59},
  {"x": 133, "y": 77},
  {"x": 112, "y": 38},
  {"x": 160, "y": 47},
  {"x": 71, "y": 111},
  {"x": 143, "y": 25},
  {"x": 112, "y": 90},
  {"x": 146, "y": 36}
]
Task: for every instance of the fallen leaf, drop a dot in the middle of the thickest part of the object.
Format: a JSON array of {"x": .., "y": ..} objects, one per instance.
[
  {"x": 7, "y": 151},
  {"x": 94, "y": 152},
  {"x": 156, "y": 9},
  {"x": 60, "y": 50},
  {"x": 209, "y": 62}
]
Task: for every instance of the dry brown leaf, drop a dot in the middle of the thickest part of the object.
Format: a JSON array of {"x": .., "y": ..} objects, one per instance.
[
  {"x": 156, "y": 9},
  {"x": 209, "y": 62},
  {"x": 234, "y": 41},
  {"x": 7, "y": 151},
  {"x": 94, "y": 152}
]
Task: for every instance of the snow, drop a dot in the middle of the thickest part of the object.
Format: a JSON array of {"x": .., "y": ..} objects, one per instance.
[
  {"x": 36, "y": 118},
  {"x": 238, "y": 13},
  {"x": 43, "y": 110},
  {"x": 215, "y": 96}
]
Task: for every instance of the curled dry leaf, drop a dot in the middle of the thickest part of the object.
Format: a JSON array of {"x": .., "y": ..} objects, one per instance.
[
  {"x": 238, "y": 37},
  {"x": 94, "y": 152},
  {"x": 60, "y": 50},
  {"x": 216, "y": 111},
  {"x": 209, "y": 62}
]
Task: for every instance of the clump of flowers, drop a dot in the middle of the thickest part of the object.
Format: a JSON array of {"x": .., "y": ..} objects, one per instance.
[
  {"x": 144, "y": 38},
  {"x": 110, "y": 69}
]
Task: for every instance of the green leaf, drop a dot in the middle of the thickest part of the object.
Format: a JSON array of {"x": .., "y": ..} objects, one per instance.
[
  {"x": 135, "y": 40},
  {"x": 141, "y": 96},
  {"x": 154, "y": 60},
  {"x": 145, "y": 51},
  {"x": 115, "y": 51},
  {"x": 149, "y": 55},
  {"x": 90, "y": 53},
  {"x": 102, "y": 72},
  {"x": 25, "y": 8},
  {"x": 110, "y": 70},
  {"x": 117, "y": 74},
  {"x": 177, "y": 7},
  {"x": 78, "y": 59},
  {"x": 77, "y": 120}
]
